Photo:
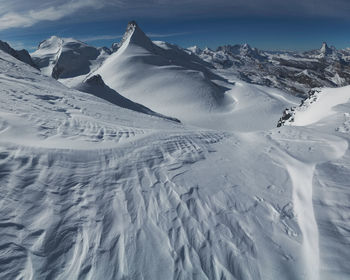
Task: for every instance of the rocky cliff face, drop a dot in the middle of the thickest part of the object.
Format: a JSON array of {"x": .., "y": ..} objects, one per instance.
[{"x": 21, "y": 55}]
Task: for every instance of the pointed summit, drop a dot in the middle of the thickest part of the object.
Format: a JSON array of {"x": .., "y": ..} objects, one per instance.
[
  {"x": 134, "y": 35},
  {"x": 132, "y": 25},
  {"x": 325, "y": 50},
  {"x": 245, "y": 49}
]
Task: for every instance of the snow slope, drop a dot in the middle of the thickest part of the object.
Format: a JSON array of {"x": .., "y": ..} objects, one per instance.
[
  {"x": 162, "y": 77},
  {"x": 327, "y": 112},
  {"x": 253, "y": 107},
  {"x": 90, "y": 190},
  {"x": 96, "y": 86},
  {"x": 323, "y": 107}
]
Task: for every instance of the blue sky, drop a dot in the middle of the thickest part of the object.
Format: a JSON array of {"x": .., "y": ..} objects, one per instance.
[{"x": 266, "y": 24}]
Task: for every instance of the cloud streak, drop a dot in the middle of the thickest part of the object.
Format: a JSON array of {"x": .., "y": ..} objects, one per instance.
[
  {"x": 113, "y": 37},
  {"x": 30, "y": 17},
  {"x": 100, "y": 38},
  {"x": 20, "y": 13},
  {"x": 157, "y": 35}
]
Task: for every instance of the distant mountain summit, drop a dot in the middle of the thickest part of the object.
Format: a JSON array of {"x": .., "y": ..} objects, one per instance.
[
  {"x": 134, "y": 35},
  {"x": 138, "y": 67},
  {"x": 21, "y": 55},
  {"x": 295, "y": 72},
  {"x": 65, "y": 57},
  {"x": 325, "y": 50}
]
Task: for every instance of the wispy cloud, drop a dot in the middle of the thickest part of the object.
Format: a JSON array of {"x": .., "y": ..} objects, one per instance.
[
  {"x": 16, "y": 45},
  {"x": 25, "y": 13},
  {"x": 19, "y": 45},
  {"x": 118, "y": 36},
  {"x": 100, "y": 38},
  {"x": 157, "y": 35},
  {"x": 49, "y": 13}
]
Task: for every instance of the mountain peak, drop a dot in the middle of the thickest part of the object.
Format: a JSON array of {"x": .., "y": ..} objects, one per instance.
[
  {"x": 58, "y": 42},
  {"x": 135, "y": 35},
  {"x": 132, "y": 25},
  {"x": 195, "y": 49},
  {"x": 246, "y": 46},
  {"x": 325, "y": 50},
  {"x": 245, "y": 49},
  {"x": 50, "y": 42}
]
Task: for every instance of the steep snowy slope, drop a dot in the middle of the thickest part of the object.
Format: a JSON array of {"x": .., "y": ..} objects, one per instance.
[
  {"x": 320, "y": 106},
  {"x": 162, "y": 76},
  {"x": 67, "y": 57},
  {"x": 89, "y": 190},
  {"x": 96, "y": 86}
]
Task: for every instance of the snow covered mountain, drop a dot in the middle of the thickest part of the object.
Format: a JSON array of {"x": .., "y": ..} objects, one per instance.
[
  {"x": 96, "y": 186},
  {"x": 195, "y": 80},
  {"x": 72, "y": 61},
  {"x": 90, "y": 190},
  {"x": 169, "y": 80},
  {"x": 162, "y": 76},
  {"x": 295, "y": 72},
  {"x": 139, "y": 70},
  {"x": 96, "y": 86},
  {"x": 67, "y": 57}
]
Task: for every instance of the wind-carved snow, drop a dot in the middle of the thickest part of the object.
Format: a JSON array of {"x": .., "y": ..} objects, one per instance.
[
  {"x": 324, "y": 111},
  {"x": 93, "y": 190}
]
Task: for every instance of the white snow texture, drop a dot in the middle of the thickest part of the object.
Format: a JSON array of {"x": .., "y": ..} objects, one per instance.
[{"x": 95, "y": 185}]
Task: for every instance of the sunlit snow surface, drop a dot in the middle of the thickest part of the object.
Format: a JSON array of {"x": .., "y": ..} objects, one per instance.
[{"x": 89, "y": 190}]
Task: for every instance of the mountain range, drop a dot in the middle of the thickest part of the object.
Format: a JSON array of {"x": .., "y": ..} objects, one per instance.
[{"x": 295, "y": 72}]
